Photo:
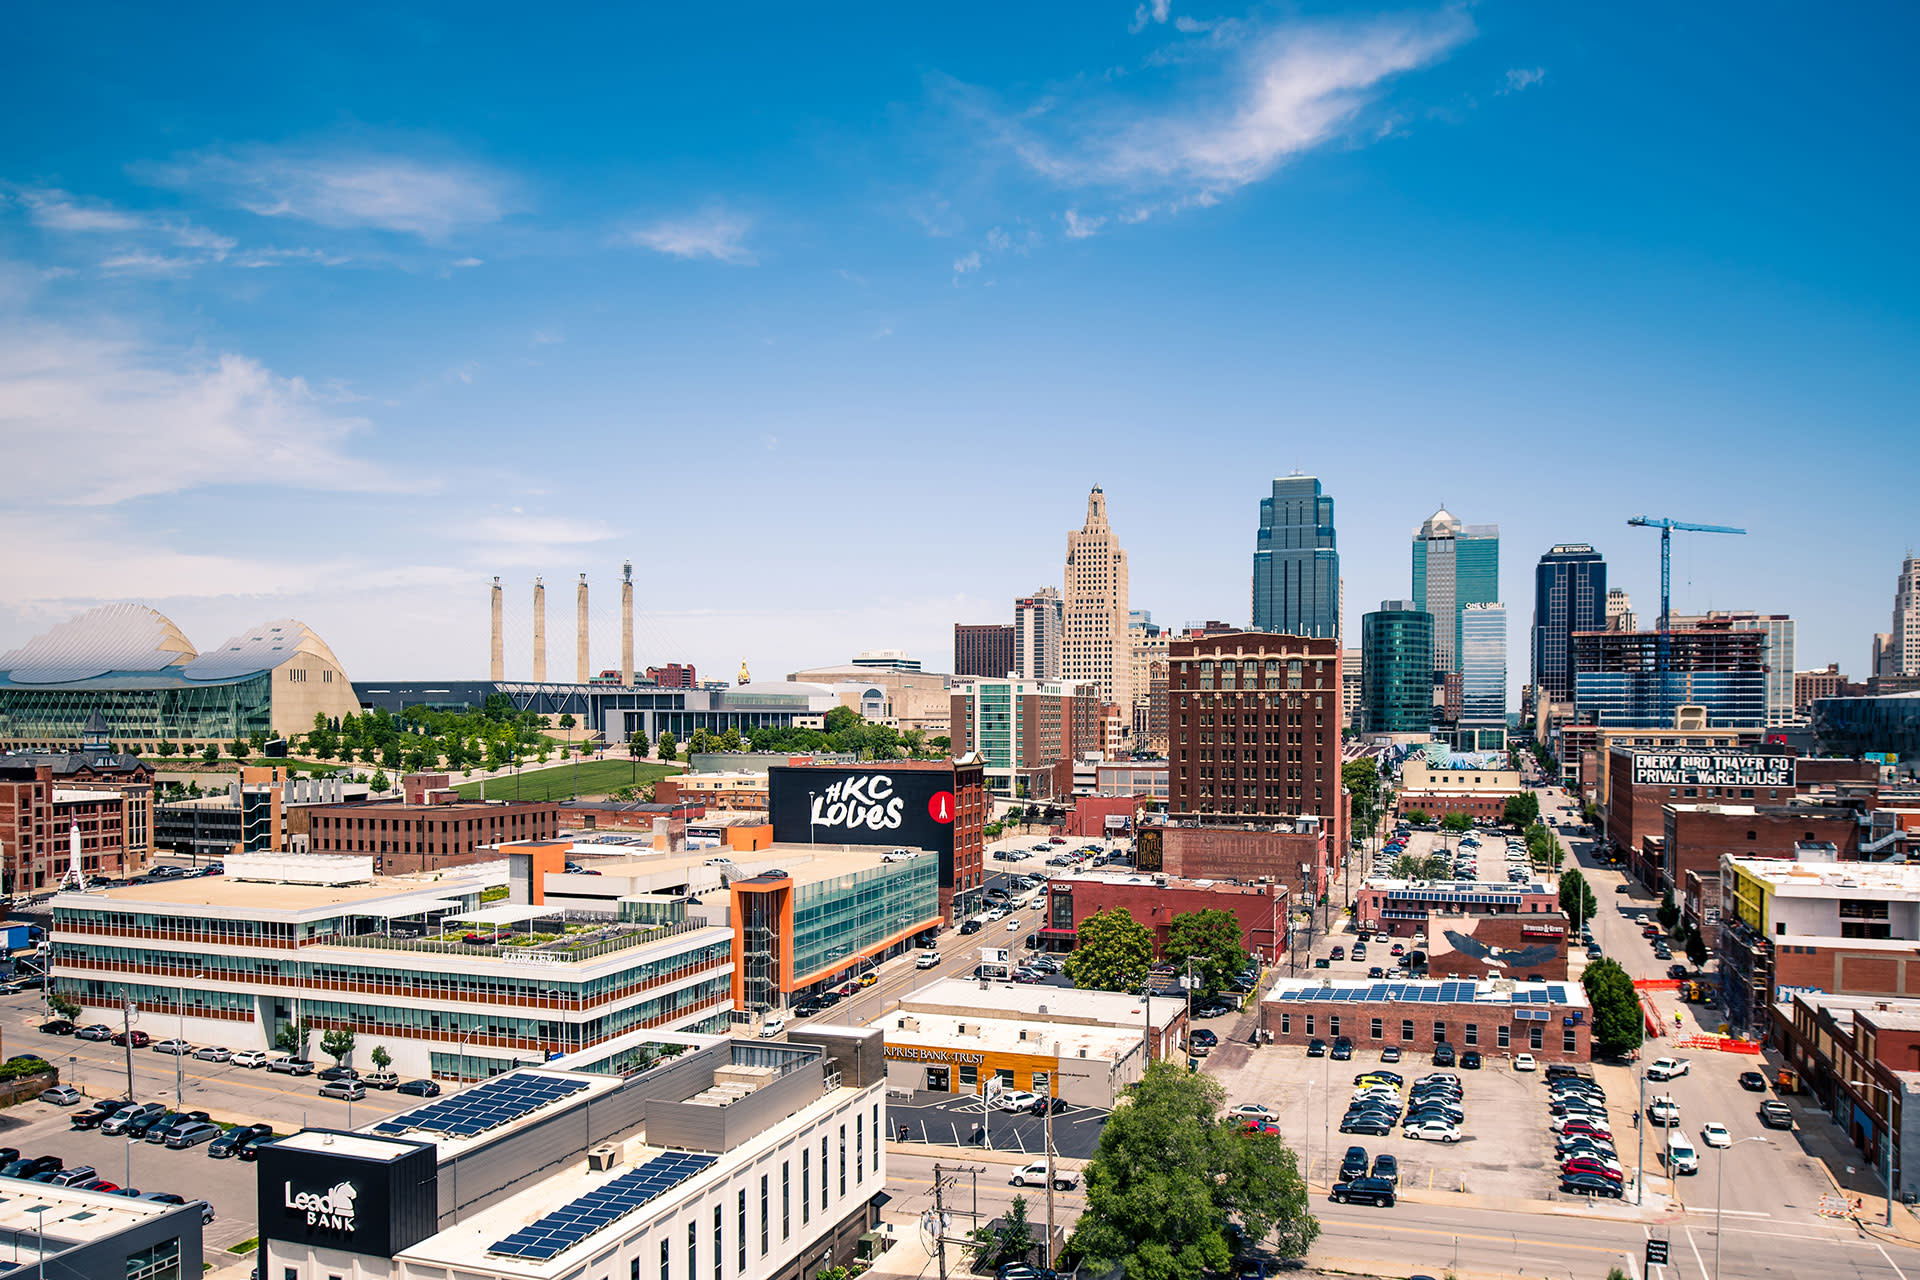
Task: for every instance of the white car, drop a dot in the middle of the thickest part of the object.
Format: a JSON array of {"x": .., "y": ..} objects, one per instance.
[
  {"x": 213, "y": 1053},
  {"x": 772, "y": 1027},
  {"x": 998, "y": 913},
  {"x": 1016, "y": 1100},
  {"x": 1251, "y": 1111},
  {"x": 250, "y": 1058},
  {"x": 1035, "y": 1175},
  {"x": 1663, "y": 1110},
  {"x": 1523, "y": 1062},
  {"x": 61, "y": 1095},
  {"x": 1668, "y": 1068},
  {"x": 1433, "y": 1131},
  {"x": 1715, "y": 1134}
]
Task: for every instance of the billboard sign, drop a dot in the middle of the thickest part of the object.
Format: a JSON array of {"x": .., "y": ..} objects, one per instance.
[
  {"x": 911, "y": 808},
  {"x": 1712, "y": 769}
]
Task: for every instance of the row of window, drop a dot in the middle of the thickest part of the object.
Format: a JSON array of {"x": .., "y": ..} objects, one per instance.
[{"x": 1503, "y": 1033}]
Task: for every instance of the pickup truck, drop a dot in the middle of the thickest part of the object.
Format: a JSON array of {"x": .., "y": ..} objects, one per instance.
[{"x": 1668, "y": 1068}]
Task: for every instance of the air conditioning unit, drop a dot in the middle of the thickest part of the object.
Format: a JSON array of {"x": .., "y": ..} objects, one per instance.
[{"x": 602, "y": 1158}]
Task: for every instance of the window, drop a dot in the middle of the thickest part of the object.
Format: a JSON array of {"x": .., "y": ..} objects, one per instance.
[
  {"x": 1374, "y": 1028},
  {"x": 969, "y": 1078},
  {"x": 1333, "y": 1024},
  {"x": 1286, "y": 1024},
  {"x": 719, "y": 1246},
  {"x": 823, "y": 1174},
  {"x": 1505, "y": 1036},
  {"x": 763, "y": 1215},
  {"x": 666, "y": 1260},
  {"x": 693, "y": 1250},
  {"x": 743, "y": 1234},
  {"x": 1309, "y": 1024},
  {"x": 786, "y": 1200},
  {"x": 877, "y": 1140},
  {"x": 633, "y": 1268},
  {"x": 806, "y": 1184},
  {"x": 1406, "y": 1030},
  {"x": 843, "y": 1154},
  {"x": 1473, "y": 1033},
  {"x": 1439, "y": 1032},
  {"x": 1569, "y": 1041},
  {"x": 1536, "y": 1034}
]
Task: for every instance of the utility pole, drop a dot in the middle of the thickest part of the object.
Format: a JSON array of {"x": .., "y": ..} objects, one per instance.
[
  {"x": 939, "y": 1220},
  {"x": 126, "y": 1037},
  {"x": 1047, "y": 1253}
]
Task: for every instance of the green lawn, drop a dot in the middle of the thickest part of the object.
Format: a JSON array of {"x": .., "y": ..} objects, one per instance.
[{"x": 596, "y": 778}]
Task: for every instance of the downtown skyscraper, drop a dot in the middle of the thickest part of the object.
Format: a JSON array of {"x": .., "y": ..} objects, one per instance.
[
  {"x": 1454, "y": 565},
  {"x": 1093, "y": 643},
  {"x": 1569, "y": 595},
  {"x": 1296, "y": 565}
]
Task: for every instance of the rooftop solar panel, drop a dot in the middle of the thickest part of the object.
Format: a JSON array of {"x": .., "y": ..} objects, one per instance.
[{"x": 578, "y": 1219}]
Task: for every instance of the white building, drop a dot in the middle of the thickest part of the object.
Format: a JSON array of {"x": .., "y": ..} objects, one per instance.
[
  {"x": 226, "y": 960},
  {"x": 1778, "y": 656},
  {"x": 723, "y": 1158},
  {"x": 1038, "y": 620}
]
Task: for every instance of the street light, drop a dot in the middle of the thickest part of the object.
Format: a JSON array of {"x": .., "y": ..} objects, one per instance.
[
  {"x": 1720, "y": 1181},
  {"x": 179, "y": 1058}
]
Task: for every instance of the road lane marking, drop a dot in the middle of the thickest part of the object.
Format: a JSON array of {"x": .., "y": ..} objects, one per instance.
[{"x": 1890, "y": 1262}]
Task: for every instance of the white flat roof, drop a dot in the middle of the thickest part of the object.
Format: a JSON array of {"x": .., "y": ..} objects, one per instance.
[
  {"x": 507, "y": 913},
  {"x": 949, "y": 1031},
  {"x": 1040, "y": 1003},
  {"x": 72, "y": 1216},
  {"x": 1826, "y": 879},
  {"x": 347, "y": 1144}
]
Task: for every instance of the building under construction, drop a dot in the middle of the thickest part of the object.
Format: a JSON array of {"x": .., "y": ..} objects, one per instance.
[{"x": 1722, "y": 671}]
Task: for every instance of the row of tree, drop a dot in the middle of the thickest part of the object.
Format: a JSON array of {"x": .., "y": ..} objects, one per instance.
[{"x": 1114, "y": 952}]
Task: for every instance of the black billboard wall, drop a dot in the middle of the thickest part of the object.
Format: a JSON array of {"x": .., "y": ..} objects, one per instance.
[
  {"x": 372, "y": 1196},
  {"x": 832, "y": 805}
]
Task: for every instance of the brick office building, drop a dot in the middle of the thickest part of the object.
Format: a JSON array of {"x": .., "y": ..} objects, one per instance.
[
  {"x": 406, "y": 838},
  {"x": 1154, "y": 900},
  {"x": 1695, "y": 836},
  {"x": 1298, "y": 854},
  {"x": 985, "y": 649},
  {"x": 1497, "y": 946},
  {"x": 1254, "y": 730},
  {"x": 1641, "y": 784},
  {"x": 1400, "y": 908},
  {"x": 1439, "y": 790},
  {"x": 42, "y": 796},
  {"x": 1550, "y": 1020}
]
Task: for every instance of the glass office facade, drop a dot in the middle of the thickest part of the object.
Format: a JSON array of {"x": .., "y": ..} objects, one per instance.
[
  {"x": 1296, "y": 564},
  {"x": 837, "y": 918},
  {"x": 1483, "y": 665},
  {"x": 1396, "y": 655},
  {"x": 1889, "y": 724},
  {"x": 142, "y": 709},
  {"x": 1569, "y": 595}
]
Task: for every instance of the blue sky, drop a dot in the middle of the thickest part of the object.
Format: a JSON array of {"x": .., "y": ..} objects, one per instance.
[{"x": 829, "y": 321}]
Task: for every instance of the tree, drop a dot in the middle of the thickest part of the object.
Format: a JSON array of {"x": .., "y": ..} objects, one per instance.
[
  {"x": 1576, "y": 898},
  {"x": 238, "y": 748},
  {"x": 566, "y": 720},
  {"x": 637, "y": 746},
  {"x": 1522, "y": 811},
  {"x": 1211, "y": 939},
  {"x": 941, "y": 742},
  {"x": 1668, "y": 914},
  {"x": 292, "y": 1037},
  {"x": 381, "y": 784},
  {"x": 1696, "y": 948},
  {"x": 1362, "y": 778},
  {"x": 730, "y": 740},
  {"x": 1014, "y": 1238},
  {"x": 1410, "y": 866},
  {"x": 669, "y": 747},
  {"x": 380, "y": 1057},
  {"x": 1457, "y": 822},
  {"x": 63, "y": 1006},
  {"x": 167, "y": 748},
  {"x": 1169, "y": 1175},
  {"x": 1417, "y": 817},
  {"x": 1113, "y": 954},
  {"x": 698, "y": 744},
  {"x": 211, "y": 755},
  {"x": 1616, "y": 1008},
  {"x": 414, "y": 761},
  {"x": 337, "y": 1043}
]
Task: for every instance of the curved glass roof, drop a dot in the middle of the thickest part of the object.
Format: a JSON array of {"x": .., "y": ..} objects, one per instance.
[{"x": 113, "y": 638}]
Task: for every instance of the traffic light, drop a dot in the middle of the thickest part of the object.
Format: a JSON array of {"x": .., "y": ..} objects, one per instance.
[{"x": 1656, "y": 1253}]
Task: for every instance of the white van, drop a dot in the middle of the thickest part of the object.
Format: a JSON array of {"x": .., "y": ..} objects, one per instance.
[{"x": 1681, "y": 1157}]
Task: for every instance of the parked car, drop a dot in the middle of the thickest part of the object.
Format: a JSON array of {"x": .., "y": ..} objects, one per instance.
[
  {"x": 1367, "y": 1125},
  {"x": 1680, "y": 1154},
  {"x": 1590, "y": 1184},
  {"x": 1316, "y": 1048},
  {"x": 1342, "y": 1049},
  {"x": 1251, "y": 1111},
  {"x": 419, "y": 1088},
  {"x": 1386, "y": 1168},
  {"x": 168, "y": 1197},
  {"x": 1775, "y": 1114},
  {"x": 381, "y": 1078},
  {"x": 250, "y": 1058},
  {"x": 1433, "y": 1131},
  {"x": 772, "y": 1027},
  {"x": 231, "y": 1142},
  {"x": 1664, "y": 1111},
  {"x": 1036, "y": 1174},
  {"x": 70, "y": 1177},
  {"x": 96, "y": 1115},
  {"x": 1390, "y": 1054},
  {"x": 1470, "y": 1060},
  {"x": 192, "y": 1135},
  {"x": 338, "y": 1072},
  {"x": 350, "y": 1090},
  {"x": 175, "y": 1047},
  {"x": 56, "y": 1027},
  {"x": 172, "y": 1122},
  {"x": 1014, "y": 1100},
  {"x": 1524, "y": 1062},
  {"x": 123, "y": 1120},
  {"x": 1443, "y": 1054},
  {"x": 287, "y": 1064},
  {"x": 94, "y": 1031},
  {"x": 61, "y": 1095},
  {"x": 213, "y": 1053},
  {"x": 1203, "y": 1037},
  {"x": 139, "y": 1039},
  {"x": 1365, "y": 1191}
]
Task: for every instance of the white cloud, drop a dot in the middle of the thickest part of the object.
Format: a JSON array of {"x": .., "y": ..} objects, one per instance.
[
  {"x": 469, "y": 262},
  {"x": 1079, "y": 227},
  {"x": 151, "y": 424},
  {"x": 1151, "y": 11},
  {"x": 966, "y": 262},
  {"x": 998, "y": 240},
  {"x": 139, "y": 234},
  {"x": 346, "y": 188},
  {"x": 1520, "y": 79},
  {"x": 713, "y": 234},
  {"x": 1281, "y": 94}
]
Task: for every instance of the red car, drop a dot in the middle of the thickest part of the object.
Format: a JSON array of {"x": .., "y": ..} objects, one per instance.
[
  {"x": 1589, "y": 1129},
  {"x": 140, "y": 1038},
  {"x": 1262, "y": 1126},
  {"x": 1587, "y": 1164}
]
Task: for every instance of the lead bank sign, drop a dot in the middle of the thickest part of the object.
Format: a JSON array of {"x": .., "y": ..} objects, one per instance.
[{"x": 331, "y": 1210}]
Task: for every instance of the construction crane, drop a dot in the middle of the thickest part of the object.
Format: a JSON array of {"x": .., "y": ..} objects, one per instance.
[{"x": 1666, "y": 528}]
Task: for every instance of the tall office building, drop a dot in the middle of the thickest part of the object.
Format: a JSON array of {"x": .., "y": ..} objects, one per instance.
[
  {"x": 1620, "y": 614},
  {"x": 1713, "y": 666},
  {"x": 1777, "y": 656},
  {"x": 1093, "y": 646},
  {"x": 1296, "y": 566},
  {"x": 1037, "y": 623},
  {"x": 1454, "y": 565},
  {"x": 1396, "y": 654},
  {"x": 1146, "y": 645},
  {"x": 1882, "y": 663},
  {"x": 1483, "y": 676},
  {"x": 1352, "y": 690},
  {"x": 1569, "y": 595},
  {"x": 984, "y": 649},
  {"x": 1905, "y": 652}
]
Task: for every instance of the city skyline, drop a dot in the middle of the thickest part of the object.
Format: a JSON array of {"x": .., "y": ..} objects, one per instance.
[{"x": 280, "y": 343}]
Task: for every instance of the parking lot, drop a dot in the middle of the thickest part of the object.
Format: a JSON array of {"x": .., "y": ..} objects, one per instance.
[{"x": 945, "y": 1119}]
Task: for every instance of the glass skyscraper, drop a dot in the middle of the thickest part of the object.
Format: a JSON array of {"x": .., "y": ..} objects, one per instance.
[
  {"x": 1454, "y": 565},
  {"x": 1296, "y": 567},
  {"x": 1483, "y": 666},
  {"x": 1396, "y": 656},
  {"x": 1569, "y": 595}
]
